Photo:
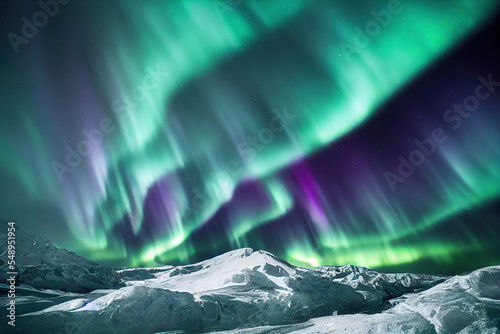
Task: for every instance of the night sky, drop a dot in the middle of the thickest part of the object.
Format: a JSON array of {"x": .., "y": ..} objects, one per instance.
[{"x": 140, "y": 133}]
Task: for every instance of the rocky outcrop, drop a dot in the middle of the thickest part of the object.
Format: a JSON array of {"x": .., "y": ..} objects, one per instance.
[{"x": 42, "y": 265}]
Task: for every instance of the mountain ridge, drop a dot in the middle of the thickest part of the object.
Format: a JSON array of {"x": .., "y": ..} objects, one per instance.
[
  {"x": 42, "y": 265},
  {"x": 247, "y": 291}
]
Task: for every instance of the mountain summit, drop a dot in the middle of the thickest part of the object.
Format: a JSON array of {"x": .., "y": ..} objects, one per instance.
[{"x": 247, "y": 291}]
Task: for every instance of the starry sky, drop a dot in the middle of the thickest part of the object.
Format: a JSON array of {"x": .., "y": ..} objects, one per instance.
[{"x": 326, "y": 132}]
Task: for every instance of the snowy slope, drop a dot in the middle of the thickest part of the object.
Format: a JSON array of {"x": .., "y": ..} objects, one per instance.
[
  {"x": 238, "y": 289},
  {"x": 463, "y": 304},
  {"x": 224, "y": 271},
  {"x": 246, "y": 291},
  {"x": 42, "y": 265}
]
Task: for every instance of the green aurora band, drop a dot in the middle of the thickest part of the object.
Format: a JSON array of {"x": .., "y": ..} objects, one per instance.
[{"x": 216, "y": 76}]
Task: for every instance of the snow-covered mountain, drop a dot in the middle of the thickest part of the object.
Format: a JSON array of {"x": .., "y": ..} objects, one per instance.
[
  {"x": 462, "y": 304},
  {"x": 42, "y": 265},
  {"x": 246, "y": 291}
]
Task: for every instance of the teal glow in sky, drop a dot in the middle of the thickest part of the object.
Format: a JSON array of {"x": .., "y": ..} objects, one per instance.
[{"x": 169, "y": 131}]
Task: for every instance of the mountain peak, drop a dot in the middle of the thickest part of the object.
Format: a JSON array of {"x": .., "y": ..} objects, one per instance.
[
  {"x": 42, "y": 265},
  {"x": 244, "y": 287},
  {"x": 239, "y": 267}
]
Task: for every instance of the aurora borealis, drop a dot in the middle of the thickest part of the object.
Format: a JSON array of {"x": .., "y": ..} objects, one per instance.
[{"x": 214, "y": 125}]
